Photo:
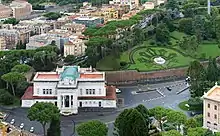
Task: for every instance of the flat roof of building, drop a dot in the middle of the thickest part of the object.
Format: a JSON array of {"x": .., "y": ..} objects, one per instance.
[
  {"x": 47, "y": 76},
  {"x": 91, "y": 76},
  {"x": 86, "y": 18}
]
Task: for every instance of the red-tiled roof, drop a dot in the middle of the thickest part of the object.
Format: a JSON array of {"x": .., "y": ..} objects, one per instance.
[
  {"x": 110, "y": 94},
  {"x": 28, "y": 95},
  {"x": 91, "y": 76},
  {"x": 47, "y": 76}
]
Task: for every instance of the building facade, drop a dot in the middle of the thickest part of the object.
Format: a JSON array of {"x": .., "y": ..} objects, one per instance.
[
  {"x": 2, "y": 43},
  {"x": 20, "y": 9},
  {"x": 69, "y": 88},
  {"x": 211, "y": 109},
  {"x": 89, "y": 21},
  {"x": 12, "y": 37},
  {"x": 74, "y": 47},
  {"x": 5, "y": 11}
]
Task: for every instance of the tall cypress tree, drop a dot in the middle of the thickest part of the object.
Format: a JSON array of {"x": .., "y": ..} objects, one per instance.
[
  {"x": 54, "y": 129},
  {"x": 212, "y": 71}
]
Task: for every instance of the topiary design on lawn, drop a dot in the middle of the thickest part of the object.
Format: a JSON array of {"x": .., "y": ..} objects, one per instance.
[{"x": 148, "y": 54}]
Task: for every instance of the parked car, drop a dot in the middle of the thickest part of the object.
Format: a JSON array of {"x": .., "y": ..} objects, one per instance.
[
  {"x": 32, "y": 130},
  {"x": 168, "y": 88},
  {"x": 22, "y": 126},
  {"x": 118, "y": 90},
  {"x": 12, "y": 121}
]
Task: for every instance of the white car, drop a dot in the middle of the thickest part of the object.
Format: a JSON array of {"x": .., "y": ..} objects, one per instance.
[
  {"x": 32, "y": 129},
  {"x": 118, "y": 90},
  {"x": 22, "y": 126},
  {"x": 12, "y": 121}
]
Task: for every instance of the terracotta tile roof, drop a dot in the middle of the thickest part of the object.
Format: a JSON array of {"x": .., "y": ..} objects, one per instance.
[
  {"x": 110, "y": 95},
  {"x": 91, "y": 76},
  {"x": 47, "y": 76},
  {"x": 28, "y": 95}
]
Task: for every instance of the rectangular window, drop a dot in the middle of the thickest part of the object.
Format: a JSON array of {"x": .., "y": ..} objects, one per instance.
[
  {"x": 90, "y": 91},
  {"x": 55, "y": 103},
  {"x": 44, "y": 91},
  {"x": 208, "y": 105},
  {"x": 208, "y": 114},
  {"x": 80, "y": 91},
  {"x": 215, "y": 107},
  {"x": 215, "y": 116},
  {"x": 87, "y": 91},
  {"x": 93, "y": 91}
]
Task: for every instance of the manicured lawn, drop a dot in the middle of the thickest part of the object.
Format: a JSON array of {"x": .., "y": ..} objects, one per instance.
[
  {"x": 182, "y": 106},
  {"x": 210, "y": 50},
  {"x": 177, "y": 34},
  {"x": 144, "y": 59}
]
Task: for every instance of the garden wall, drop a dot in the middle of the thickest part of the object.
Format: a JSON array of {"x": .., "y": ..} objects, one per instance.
[{"x": 132, "y": 77}]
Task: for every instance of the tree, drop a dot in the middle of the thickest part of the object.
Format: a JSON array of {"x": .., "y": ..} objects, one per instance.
[
  {"x": 21, "y": 68},
  {"x": 143, "y": 110},
  {"x": 217, "y": 28},
  {"x": 5, "y": 97},
  {"x": 12, "y": 21},
  {"x": 162, "y": 34},
  {"x": 195, "y": 103},
  {"x": 199, "y": 120},
  {"x": 52, "y": 15},
  {"x": 186, "y": 25},
  {"x": 44, "y": 60},
  {"x": 191, "y": 123},
  {"x": 54, "y": 129},
  {"x": 176, "y": 117},
  {"x": 171, "y": 133},
  {"x": 199, "y": 27},
  {"x": 196, "y": 71},
  {"x": 199, "y": 131},
  {"x": 131, "y": 123},
  {"x": 69, "y": 59},
  {"x": 172, "y": 4},
  {"x": 13, "y": 78},
  {"x": 43, "y": 113},
  {"x": 212, "y": 70},
  {"x": 92, "y": 128},
  {"x": 159, "y": 113}
]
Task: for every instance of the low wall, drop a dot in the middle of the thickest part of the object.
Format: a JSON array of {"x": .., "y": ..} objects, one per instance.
[{"x": 130, "y": 77}]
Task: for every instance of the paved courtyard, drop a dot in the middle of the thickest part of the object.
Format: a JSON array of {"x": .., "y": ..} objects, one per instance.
[{"x": 160, "y": 97}]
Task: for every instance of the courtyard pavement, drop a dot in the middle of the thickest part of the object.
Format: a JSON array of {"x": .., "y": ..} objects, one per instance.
[{"x": 160, "y": 97}]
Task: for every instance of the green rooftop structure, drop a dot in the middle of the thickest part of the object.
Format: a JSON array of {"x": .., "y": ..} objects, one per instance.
[{"x": 70, "y": 73}]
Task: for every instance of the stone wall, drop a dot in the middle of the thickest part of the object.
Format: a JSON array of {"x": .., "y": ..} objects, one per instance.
[{"x": 133, "y": 76}]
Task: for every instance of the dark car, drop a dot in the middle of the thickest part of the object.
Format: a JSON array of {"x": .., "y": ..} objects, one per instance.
[{"x": 168, "y": 88}]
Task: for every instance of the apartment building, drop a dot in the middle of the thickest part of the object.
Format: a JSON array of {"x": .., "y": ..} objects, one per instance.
[
  {"x": 37, "y": 41},
  {"x": 12, "y": 37},
  {"x": 74, "y": 46},
  {"x": 5, "y": 11},
  {"x": 211, "y": 109},
  {"x": 89, "y": 21},
  {"x": 2, "y": 43},
  {"x": 20, "y": 9},
  {"x": 131, "y": 3},
  {"x": 74, "y": 27}
]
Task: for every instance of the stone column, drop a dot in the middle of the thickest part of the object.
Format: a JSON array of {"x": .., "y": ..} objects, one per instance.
[
  {"x": 63, "y": 100},
  {"x": 70, "y": 101}
]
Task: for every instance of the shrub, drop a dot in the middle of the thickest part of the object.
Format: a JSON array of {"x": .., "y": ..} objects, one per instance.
[
  {"x": 195, "y": 103},
  {"x": 169, "y": 43},
  {"x": 6, "y": 98},
  {"x": 203, "y": 56},
  {"x": 152, "y": 43},
  {"x": 123, "y": 63},
  {"x": 219, "y": 46},
  {"x": 159, "y": 44}
]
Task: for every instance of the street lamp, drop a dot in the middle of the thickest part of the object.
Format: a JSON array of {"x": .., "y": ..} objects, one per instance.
[{"x": 74, "y": 128}]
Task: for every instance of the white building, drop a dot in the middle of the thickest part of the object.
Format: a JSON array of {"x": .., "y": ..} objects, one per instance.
[{"x": 71, "y": 87}]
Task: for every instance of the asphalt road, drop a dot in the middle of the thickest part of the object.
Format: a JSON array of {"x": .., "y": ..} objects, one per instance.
[{"x": 161, "y": 97}]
